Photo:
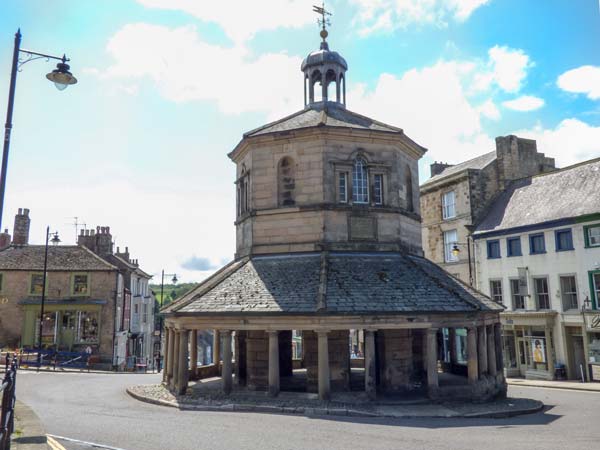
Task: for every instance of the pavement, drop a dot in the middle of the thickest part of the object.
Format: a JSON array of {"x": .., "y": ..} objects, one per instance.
[
  {"x": 92, "y": 411},
  {"x": 573, "y": 385},
  {"x": 29, "y": 433}
]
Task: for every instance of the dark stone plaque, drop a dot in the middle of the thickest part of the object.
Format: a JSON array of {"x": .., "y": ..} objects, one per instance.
[{"x": 362, "y": 228}]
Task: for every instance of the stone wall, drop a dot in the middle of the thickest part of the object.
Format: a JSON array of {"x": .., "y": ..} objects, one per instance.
[{"x": 395, "y": 359}]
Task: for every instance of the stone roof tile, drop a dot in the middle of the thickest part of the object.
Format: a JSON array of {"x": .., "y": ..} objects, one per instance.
[{"x": 61, "y": 257}]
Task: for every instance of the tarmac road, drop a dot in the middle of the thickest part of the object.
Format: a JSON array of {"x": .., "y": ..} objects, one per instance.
[{"x": 95, "y": 408}]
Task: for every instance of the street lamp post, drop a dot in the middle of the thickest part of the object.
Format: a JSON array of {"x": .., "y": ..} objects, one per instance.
[
  {"x": 456, "y": 251},
  {"x": 55, "y": 240},
  {"x": 162, "y": 289},
  {"x": 61, "y": 78}
]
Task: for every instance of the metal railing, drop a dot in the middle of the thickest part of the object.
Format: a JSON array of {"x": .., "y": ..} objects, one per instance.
[{"x": 7, "y": 418}]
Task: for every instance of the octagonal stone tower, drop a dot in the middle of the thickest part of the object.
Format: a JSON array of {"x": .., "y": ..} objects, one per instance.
[{"x": 326, "y": 178}]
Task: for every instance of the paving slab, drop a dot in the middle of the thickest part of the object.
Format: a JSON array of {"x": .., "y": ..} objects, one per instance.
[
  {"x": 29, "y": 432},
  {"x": 573, "y": 385}
]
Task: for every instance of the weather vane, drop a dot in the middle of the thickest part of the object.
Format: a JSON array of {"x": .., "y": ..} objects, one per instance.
[{"x": 323, "y": 21}]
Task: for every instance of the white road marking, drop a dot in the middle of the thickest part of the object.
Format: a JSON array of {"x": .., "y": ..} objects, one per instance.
[{"x": 77, "y": 441}]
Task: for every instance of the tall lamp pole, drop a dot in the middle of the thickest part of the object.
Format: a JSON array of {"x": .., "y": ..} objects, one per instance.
[
  {"x": 55, "y": 241},
  {"x": 61, "y": 77},
  {"x": 456, "y": 251},
  {"x": 162, "y": 289}
]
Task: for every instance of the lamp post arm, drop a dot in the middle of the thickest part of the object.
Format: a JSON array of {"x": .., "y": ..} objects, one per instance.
[{"x": 62, "y": 58}]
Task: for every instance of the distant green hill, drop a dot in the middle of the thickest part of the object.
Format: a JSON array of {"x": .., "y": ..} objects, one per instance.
[{"x": 171, "y": 291}]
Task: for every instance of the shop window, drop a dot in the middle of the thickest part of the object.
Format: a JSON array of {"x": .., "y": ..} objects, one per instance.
[
  {"x": 36, "y": 284},
  {"x": 537, "y": 244},
  {"x": 518, "y": 300},
  {"x": 88, "y": 327},
  {"x": 80, "y": 284},
  {"x": 493, "y": 249},
  {"x": 378, "y": 189},
  {"x": 564, "y": 240},
  {"x": 496, "y": 290},
  {"x": 450, "y": 240},
  {"x": 568, "y": 292},
  {"x": 592, "y": 235},
  {"x": 343, "y": 187},
  {"x": 360, "y": 181},
  {"x": 513, "y": 246},
  {"x": 448, "y": 205},
  {"x": 48, "y": 329},
  {"x": 542, "y": 296}
]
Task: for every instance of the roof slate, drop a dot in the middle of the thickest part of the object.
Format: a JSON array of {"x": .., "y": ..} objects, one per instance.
[
  {"x": 477, "y": 163},
  {"x": 356, "y": 283},
  {"x": 323, "y": 115},
  {"x": 61, "y": 257},
  {"x": 566, "y": 193}
]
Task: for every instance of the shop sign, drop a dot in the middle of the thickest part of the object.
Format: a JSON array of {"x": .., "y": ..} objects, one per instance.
[
  {"x": 538, "y": 352},
  {"x": 592, "y": 322},
  {"x": 595, "y": 372}
]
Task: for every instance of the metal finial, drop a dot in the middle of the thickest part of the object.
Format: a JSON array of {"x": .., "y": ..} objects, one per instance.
[{"x": 323, "y": 21}]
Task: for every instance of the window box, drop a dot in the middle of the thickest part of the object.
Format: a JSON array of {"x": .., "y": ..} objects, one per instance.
[
  {"x": 493, "y": 249},
  {"x": 513, "y": 246},
  {"x": 537, "y": 245},
  {"x": 563, "y": 240}
]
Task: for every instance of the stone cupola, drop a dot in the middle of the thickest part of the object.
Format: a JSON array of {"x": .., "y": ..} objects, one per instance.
[{"x": 324, "y": 68}]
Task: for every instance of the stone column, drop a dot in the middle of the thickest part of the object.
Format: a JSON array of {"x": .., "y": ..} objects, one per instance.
[
  {"x": 216, "y": 348},
  {"x": 472, "y": 355},
  {"x": 194, "y": 353},
  {"x": 499, "y": 353},
  {"x": 184, "y": 371},
  {"x": 227, "y": 364},
  {"x": 175, "y": 359},
  {"x": 432, "y": 372},
  {"x": 550, "y": 352},
  {"x": 452, "y": 342},
  {"x": 491, "y": 350},
  {"x": 273, "y": 363},
  {"x": 323, "y": 366},
  {"x": 482, "y": 350},
  {"x": 370, "y": 365},
  {"x": 167, "y": 354}
]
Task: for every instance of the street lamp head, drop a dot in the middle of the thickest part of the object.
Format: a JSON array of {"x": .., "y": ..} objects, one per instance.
[
  {"x": 61, "y": 77},
  {"x": 455, "y": 250},
  {"x": 174, "y": 279},
  {"x": 55, "y": 239}
]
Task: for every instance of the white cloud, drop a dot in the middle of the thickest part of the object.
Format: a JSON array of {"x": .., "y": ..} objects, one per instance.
[
  {"x": 242, "y": 19},
  {"x": 570, "y": 142},
  {"x": 582, "y": 80},
  {"x": 524, "y": 103},
  {"x": 509, "y": 67},
  {"x": 490, "y": 110},
  {"x": 388, "y": 15},
  {"x": 185, "y": 68}
]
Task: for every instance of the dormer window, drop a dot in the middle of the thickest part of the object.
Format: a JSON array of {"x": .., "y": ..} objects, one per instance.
[{"x": 360, "y": 181}]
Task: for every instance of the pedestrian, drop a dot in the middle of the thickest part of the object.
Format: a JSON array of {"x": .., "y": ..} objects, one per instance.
[{"x": 157, "y": 359}]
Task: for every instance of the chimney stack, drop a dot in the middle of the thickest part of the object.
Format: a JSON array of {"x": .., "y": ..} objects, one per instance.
[
  {"x": 4, "y": 240},
  {"x": 438, "y": 167},
  {"x": 21, "y": 228}
]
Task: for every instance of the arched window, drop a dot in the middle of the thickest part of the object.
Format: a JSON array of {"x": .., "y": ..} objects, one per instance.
[
  {"x": 287, "y": 182},
  {"x": 360, "y": 181}
]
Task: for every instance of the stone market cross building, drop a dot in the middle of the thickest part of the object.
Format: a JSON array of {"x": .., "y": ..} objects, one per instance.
[{"x": 328, "y": 241}]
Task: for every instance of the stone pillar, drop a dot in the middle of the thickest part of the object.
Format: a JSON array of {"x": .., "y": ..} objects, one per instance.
[
  {"x": 370, "y": 365},
  {"x": 194, "y": 353},
  {"x": 491, "y": 350},
  {"x": 227, "y": 364},
  {"x": 216, "y": 348},
  {"x": 472, "y": 364},
  {"x": 432, "y": 372},
  {"x": 499, "y": 353},
  {"x": 184, "y": 371},
  {"x": 323, "y": 366},
  {"x": 550, "y": 352},
  {"x": 452, "y": 342},
  {"x": 482, "y": 350},
  {"x": 273, "y": 363},
  {"x": 167, "y": 354},
  {"x": 175, "y": 359}
]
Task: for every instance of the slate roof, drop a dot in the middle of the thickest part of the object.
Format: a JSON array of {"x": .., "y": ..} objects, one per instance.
[
  {"x": 323, "y": 115},
  {"x": 566, "y": 193},
  {"x": 385, "y": 283},
  {"x": 61, "y": 257},
  {"x": 477, "y": 163}
]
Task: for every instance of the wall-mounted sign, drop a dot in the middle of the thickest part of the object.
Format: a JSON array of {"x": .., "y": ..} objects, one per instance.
[
  {"x": 538, "y": 352},
  {"x": 595, "y": 372},
  {"x": 592, "y": 322},
  {"x": 523, "y": 288}
]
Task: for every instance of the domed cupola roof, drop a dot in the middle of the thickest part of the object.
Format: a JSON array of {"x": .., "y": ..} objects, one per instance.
[{"x": 326, "y": 68}]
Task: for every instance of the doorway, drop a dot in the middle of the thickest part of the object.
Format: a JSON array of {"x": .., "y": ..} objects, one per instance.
[{"x": 578, "y": 356}]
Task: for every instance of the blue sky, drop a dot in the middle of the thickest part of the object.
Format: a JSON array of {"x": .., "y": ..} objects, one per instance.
[{"x": 167, "y": 87}]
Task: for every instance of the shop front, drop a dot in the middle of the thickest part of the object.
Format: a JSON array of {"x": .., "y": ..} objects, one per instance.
[
  {"x": 528, "y": 344},
  {"x": 592, "y": 345}
]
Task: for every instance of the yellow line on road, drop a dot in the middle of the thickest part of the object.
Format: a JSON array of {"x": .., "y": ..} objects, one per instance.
[{"x": 54, "y": 445}]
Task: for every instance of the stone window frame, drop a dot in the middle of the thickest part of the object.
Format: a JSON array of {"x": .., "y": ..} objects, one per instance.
[
  {"x": 338, "y": 195},
  {"x": 364, "y": 167},
  {"x": 30, "y": 284},
  {"x": 88, "y": 282},
  {"x": 242, "y": 192},
  {"x": 563, "y": 293}
]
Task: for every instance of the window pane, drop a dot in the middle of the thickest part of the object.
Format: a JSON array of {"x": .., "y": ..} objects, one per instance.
[
  {"x": 514, "y": 246},
  {"x": 541, "y": 293},
  {"x": 343, "y": 194},
  {"x": 37, "y": 281},
  {"x": 518, "y": 299},
  {"x": 448, "y": 205},
  {"x": 360, "y": 182},
  {"x": 80, "y": 284},
  {"x": 537, "y": 244},
  {"x": 493, "y": 249},
  {"x": 378, "y": 189},
  {"x": 496, "y": 290},
  {"x": 568, "y": 290},
  {"x": 594, "y": 235},
  {"x": 88, "y": 327},
  {"x": 450, "y": 239}
]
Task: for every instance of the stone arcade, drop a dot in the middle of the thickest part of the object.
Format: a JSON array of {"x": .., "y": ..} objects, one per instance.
[{"x": 328, "y": 241}]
